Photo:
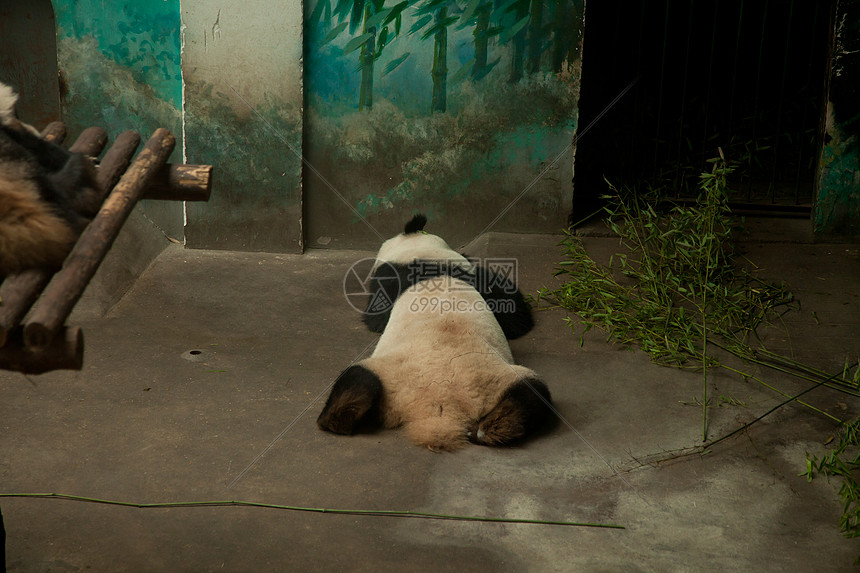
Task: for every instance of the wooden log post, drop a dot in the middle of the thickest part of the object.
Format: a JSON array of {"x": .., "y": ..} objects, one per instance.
[
  {"x": 51, "y": 310},
  {"x": 181, "y": 183},
  {"x": 18, "y": 293},
  {"x": 66, "y": 352},
  {"x": 90, "y": 142},
  {"x": 55, "y": 132},
  {"x": 116, "y": 161}
]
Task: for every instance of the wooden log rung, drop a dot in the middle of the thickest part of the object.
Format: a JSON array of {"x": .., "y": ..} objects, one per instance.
[{"x": 66, "y": 352}]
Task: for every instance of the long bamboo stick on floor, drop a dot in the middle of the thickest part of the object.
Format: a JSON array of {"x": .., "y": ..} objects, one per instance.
[{"x": 51, "y": 310}]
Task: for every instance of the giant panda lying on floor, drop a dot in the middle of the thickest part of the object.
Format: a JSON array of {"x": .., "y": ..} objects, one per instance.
[
  {"x": 443, "y": 370},
  {"x": 46, "y": 194},
  {"x": 414, "y": 255}
]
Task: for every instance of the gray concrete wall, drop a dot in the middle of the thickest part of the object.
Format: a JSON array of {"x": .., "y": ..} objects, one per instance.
[{"x": 243, "y": 114}]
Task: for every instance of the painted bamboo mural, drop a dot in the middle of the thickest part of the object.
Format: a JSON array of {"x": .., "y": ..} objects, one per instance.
[{"x": 417, "y": 85}]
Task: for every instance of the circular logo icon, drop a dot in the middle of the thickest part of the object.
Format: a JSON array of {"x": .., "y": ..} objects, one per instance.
[{"x": 371, "y": 290}]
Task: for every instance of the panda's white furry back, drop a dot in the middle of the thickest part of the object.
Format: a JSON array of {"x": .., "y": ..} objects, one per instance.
[
  {"x": 45, "y": 194},
  {"x": 443, "y": 371}
]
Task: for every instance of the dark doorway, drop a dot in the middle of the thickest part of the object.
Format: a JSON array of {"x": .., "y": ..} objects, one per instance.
[
  {"x": 28, "y": 59},
  {"x": 745, "y": 76}
]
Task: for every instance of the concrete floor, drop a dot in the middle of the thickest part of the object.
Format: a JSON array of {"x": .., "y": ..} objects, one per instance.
[{"x": 147, "y": 422}]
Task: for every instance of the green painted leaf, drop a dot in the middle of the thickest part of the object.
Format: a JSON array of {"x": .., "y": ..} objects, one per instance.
[
  {"x": 357, "y": 15},
  {"x": 395, "y": 12},
  {"x": 383, "y": 40},
  {"x": 513, "y": 30},
  {"x": 462, "y": 73},
  {"x": 357, "y": 42},
  {"x": 334, "y": 33},
  {"x": 321, "y": 7},
  {"x": 342, "y": 8},
  {"x": 469, "y": 12},
  {"x": 377, "y": 18},
  {"x": 493, "y": 31},
  {"x": 430, "y": 7},
  {"x": 420, "y": 23},
  {"x": 431, "y": 31},
  {"x": 487, "y": 69},
  {"x": 393, "y": 64}
]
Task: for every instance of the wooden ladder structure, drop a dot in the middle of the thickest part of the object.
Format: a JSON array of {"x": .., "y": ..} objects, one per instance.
[{"x": 35, "y": 304}]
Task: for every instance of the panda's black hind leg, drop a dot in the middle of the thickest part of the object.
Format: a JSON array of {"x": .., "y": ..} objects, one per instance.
[
  {"x": 355, "y": 395},
  {"x": 523, "y": 408}
]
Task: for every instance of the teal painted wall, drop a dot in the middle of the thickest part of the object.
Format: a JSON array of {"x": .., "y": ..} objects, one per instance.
[
  {"x": 837, "y": 207},
  {"x": 120, "y": 68}
]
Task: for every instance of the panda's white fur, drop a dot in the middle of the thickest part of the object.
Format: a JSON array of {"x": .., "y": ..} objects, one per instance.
[
  {"x": 8, "y": 101},
  {"x": 415, "y": 255},
  {"x": 442, "y": 370},
  {"x": 46, "y": 194},
  {"x": 407, "y": 247}
]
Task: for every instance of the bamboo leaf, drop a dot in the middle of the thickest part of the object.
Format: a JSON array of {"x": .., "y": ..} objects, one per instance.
[
  {"x": 356, "y": 16},
  {"x": 334, "y": 33},
  {"x": 377, "y": 18},
  {"x": 343, "y": 8},
  {"x": 321, "y": 7},
  {"x": 513, "y": 30},
  {"x": 469, "y": 12},
  {"x": 462, "y": 73},
  {"x": 440, "y": 25},
  {"x": 357, "y": 42},
  {"x": 430, "y": 7},
  {"x": 420, "y": 23},
  {"x": 381, "y": 43},
  {"x": 393, "y": 64}
]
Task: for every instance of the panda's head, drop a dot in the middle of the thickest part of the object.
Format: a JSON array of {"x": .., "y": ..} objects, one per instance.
[
  {"x": 414, "y": 245},
  {"x": 414, "y": 256}
]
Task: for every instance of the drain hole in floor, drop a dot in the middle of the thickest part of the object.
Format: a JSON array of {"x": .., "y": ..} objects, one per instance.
[{"x": 194, "y": 355}]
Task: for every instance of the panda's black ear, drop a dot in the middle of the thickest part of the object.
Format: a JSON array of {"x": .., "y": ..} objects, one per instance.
[
  {"x": 525, "y": 408},
  {"x": 354, "y": 396},
  {"x": 415, "y": 224}
]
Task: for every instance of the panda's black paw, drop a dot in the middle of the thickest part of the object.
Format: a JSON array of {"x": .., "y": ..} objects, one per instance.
[
  {"x": 342, "y": 422},
  {"x": 354, "y": 397},
  {"x": 498, "y": 428}
]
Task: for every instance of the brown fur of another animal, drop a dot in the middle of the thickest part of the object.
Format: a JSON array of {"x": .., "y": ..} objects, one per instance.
[{"x": 31, "y": 234}]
